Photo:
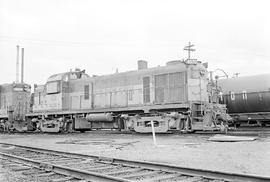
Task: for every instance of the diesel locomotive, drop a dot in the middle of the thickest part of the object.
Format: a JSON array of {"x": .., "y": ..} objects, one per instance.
[
  {"x": 15, "y": 101},
  {"x": 175, "y": 97},
  {"x": 247, "y": 99}
]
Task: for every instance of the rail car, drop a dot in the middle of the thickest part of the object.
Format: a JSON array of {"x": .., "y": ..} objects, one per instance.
[
  {"x": 247, "y": 99},
  {"x": 174, "y": 97},
  {"x": 14, "y": 104}
]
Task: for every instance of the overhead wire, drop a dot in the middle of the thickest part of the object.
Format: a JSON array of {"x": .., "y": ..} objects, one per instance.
[
  {"x": 43, "y": 41},
  {"x": 63, "y": 43}
]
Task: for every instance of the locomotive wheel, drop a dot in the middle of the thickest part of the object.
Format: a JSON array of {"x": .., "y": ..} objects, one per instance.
[
  {"x": 2, "y": 129},
  {"x": 237, "y": 125}
]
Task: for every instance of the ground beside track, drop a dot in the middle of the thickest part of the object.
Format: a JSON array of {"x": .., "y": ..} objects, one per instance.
[{"x": 189, "y": 150}]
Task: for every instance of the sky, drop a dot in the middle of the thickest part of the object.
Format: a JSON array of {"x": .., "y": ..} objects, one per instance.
[{"x": 101, "y": 36}]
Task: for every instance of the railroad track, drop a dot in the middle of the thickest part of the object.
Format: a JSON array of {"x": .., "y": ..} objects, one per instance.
[
  {"x": 80, "y": 167},
  {"x": 16, "y": 171}
]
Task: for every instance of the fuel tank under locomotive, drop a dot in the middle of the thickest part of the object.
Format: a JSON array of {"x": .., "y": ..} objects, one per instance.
[{"x": 96, "y": 121}]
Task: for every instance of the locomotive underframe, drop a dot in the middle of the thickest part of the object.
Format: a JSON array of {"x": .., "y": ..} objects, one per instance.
[
  {"x": 173, "y": 117},
  {"x": 251, "y": 119}
]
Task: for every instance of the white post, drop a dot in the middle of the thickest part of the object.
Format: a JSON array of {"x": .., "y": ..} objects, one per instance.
[{"x": 153, "y": 132}]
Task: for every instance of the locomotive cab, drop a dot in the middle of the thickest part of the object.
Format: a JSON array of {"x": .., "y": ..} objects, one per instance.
[{"x": 51, "y": 96}]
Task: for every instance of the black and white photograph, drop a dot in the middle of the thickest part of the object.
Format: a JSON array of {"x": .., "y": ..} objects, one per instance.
[{"x": 134, "y": 91}]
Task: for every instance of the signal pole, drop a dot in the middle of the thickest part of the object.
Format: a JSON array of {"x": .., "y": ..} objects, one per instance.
[{"x": 189, "y": 49}]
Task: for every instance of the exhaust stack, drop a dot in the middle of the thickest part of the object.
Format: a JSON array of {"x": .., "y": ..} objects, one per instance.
[
  {"x": 142, "y": 64},
  {"x": 22, "y": 65},
  {"x": 17, "y": 64}
]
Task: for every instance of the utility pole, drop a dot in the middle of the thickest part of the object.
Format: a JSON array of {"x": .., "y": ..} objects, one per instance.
[
  {"x": 189, "y": 49},
  {"x": 22, "y": 65}
]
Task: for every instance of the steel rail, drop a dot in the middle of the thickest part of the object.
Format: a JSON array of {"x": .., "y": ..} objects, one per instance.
[
  {"x": 158, "y": 166},
  {"x": 76, "y": 173}
]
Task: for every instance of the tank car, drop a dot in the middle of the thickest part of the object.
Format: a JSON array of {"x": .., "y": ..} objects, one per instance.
[
  {"x": 173, "y": 97},
  {"x": 247, "y": 99},
  {"x": 14, "y": 104}
]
